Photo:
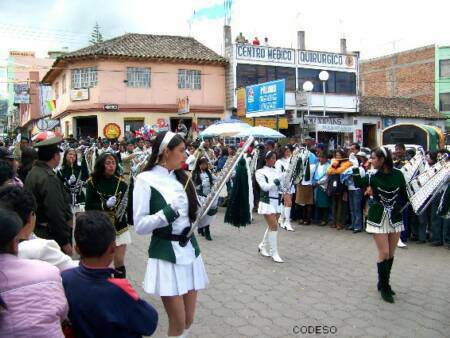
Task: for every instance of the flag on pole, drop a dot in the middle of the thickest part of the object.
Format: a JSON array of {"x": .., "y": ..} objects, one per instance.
[{"x": 51, "y": 104}]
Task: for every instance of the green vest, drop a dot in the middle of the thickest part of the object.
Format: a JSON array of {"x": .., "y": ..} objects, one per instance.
[{"x": 161, "y": 248}]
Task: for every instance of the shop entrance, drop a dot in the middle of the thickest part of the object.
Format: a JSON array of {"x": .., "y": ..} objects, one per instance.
[
  {"x": 369, "y": 135},
  {"x": 86, "y": 126}
]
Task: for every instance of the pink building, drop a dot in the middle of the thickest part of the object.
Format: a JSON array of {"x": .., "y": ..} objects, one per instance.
[{"x": 137, "y": 79}]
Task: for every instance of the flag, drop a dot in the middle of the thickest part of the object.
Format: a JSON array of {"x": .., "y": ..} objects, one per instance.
[
  {"x": 51, "y": 105},
  {"x": 212, "y": 12}
]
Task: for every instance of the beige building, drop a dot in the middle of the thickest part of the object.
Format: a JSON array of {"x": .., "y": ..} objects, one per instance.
[{"x": 137, "y": 79}]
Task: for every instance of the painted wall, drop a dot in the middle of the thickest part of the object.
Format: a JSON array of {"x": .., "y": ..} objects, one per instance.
[
  {"x": 111, "y": 87},
  {"x": 442, "y": 83}
]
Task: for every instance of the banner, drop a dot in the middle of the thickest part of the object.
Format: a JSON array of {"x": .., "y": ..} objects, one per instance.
[
  {"x": 240, "y": 102},
  {"x": 265, "y": 99},
  {"x": 268, "y": 122}
]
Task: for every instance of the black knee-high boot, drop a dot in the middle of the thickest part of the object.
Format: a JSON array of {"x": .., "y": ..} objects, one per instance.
[
  {"x": 390, "y": 262},
  {"x": 208, "y": 234},
  {"x": 121, "y": 272},
  {"x": 383, "y": 270}
]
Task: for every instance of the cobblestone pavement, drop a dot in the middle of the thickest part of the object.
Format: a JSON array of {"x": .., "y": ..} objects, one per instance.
[{"x": 328, "y": 278}]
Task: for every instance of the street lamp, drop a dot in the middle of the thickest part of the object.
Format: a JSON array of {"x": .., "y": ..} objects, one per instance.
[
  {"x": 308, "y": 87},
  {"x": 324, "y": 76}
]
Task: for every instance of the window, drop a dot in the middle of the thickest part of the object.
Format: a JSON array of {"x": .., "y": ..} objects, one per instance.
[
  {"x": 247, "y": 75},
  {"x": 64, "y": 84},
  {"x": 138, "y": 77},
  {"x": 56, "y": 90},
  {"x": 338, "y": 82},
  {"x": 84, "y": 77},
  {"x": 189, "y": 79},
  {"x": 444, "y": 102},
  {"x": 444, "y": 68}
]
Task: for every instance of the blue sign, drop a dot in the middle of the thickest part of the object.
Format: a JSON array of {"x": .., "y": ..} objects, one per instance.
[{"x": 265, "y": 99}]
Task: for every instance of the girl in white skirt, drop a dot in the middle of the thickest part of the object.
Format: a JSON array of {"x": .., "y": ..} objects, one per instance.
[
  {"x": 282, "y": 165},
  {"x": 163, "y": 207},
  {"x": 269, "y": 180},
  {"x": 385, "y": 219}
]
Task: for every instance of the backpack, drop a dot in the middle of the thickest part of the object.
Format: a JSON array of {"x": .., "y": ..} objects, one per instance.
[{"x": 335, "y": 186}]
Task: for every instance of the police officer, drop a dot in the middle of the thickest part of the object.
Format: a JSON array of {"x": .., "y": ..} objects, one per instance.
[{"x": 53, "y": 214}]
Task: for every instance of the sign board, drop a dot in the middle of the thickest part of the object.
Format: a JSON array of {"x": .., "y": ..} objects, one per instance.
[
  {"x": 326, "y": 60},
  {"x": 268, "y": 122},
  {"x": 183, "y": 105},
  {"x": 323, "y": 120},
  {"x": 47, "y": 124},
  {"x": 79, "y": 94},
  {"x": 162, "y": 124},
  {"x": 389, "y": 121},
  {"x": 265, "y": 54},
  {"x": 111, "y": 107},
  {"x": 21, "y": 53},
  {"x": 240, "y": 102},
  {"x": 112, "y": 131},
  {"x": 334, "y": 128},
  {"x": 21, "y": 93},
  {"x": 265, "y": 99}
]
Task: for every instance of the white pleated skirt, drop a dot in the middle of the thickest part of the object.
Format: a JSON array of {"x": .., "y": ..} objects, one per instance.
[
  {"x": 385, "y": 228},
  {"x": 123, "y": 238},
  {"x": 273, "y": 207},
  {"x": 163, "y": 278}
]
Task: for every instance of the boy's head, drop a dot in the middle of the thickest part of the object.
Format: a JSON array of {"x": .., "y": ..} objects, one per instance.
[
  {"x": 95, "y": 236},
  {"x": 23, "y": 202}
]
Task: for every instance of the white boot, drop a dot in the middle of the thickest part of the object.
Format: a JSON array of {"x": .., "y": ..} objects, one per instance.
[
  {"x": 181, "y": 336},
  {"x": 263, "y": 247},
  {"x": 281, "y": 218},
  {"x": 274, "y": 246},
  {"x": 287, "y": 221},
  {"x": 400, "y": 244}
]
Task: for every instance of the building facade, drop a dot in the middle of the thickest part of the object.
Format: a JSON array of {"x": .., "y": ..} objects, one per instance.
[
  {"x": 26, "y": 97},
  {"x": 250, "y": 64},
  {"x": 421, "y": 74},
  {"x": 136, "y": 80},
  {"x": 442, "y": 80}
]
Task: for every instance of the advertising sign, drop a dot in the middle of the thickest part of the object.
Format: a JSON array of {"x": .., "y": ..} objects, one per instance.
[
  {"x": 265, "y": 54},
  {"x": 112, "y": 131},
  {"x": 183, "y": 105},
  {"x": 21, "y": 93},
  {"x": 265, "y": 99},
  {"x": 268, "y": 122},
  {"x": 335, "y": 128},
  {"x": 326, "y": 60},
  {"x": 240, "y": 102},
  {"x": 79, "y": 94}
]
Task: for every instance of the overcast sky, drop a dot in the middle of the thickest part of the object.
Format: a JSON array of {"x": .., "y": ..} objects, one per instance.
[{"x": 373, "y": 27}]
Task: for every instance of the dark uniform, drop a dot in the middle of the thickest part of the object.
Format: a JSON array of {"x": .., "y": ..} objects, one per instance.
[
  {"x": 73, "y": 179},
  {"x": 98, "y": 192},
  {"x": 53, "y": 215}
]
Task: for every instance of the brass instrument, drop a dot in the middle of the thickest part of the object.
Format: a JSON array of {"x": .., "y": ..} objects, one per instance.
[
  {"x": 413, "y": 167},
  {"x": 424, "y": 188},
  {"x": 222, "y": 179},
  {"x": 290, "y": 176}
]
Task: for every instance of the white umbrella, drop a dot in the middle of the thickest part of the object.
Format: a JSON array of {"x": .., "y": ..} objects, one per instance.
[
  {"x": 227, "y": 128},
  {"x": 260, "y": 132}
]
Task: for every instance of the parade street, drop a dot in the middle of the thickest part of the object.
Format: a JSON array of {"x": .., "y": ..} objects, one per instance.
[{"x": 325, "y": 287}]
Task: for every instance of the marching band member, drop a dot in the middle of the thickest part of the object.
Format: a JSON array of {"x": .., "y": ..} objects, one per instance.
[
  {"x": 305, "y": 194},
  {"x": 385, "y": 219},
  {"x": 164, "y": 208},
  {"x": 73, "y": 175},
  {"x": 282, "y": 165},
  {"x": 105, "y": 191},
  {"x": 269, "y": 180},
  {"x": 203, "y": 180}
]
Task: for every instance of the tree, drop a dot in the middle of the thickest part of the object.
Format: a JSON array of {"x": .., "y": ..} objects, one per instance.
[{"x": 96, "y": 35}]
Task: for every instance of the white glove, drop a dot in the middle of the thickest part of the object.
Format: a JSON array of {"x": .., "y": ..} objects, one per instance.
[
  {"x": 353, "y": 160},
  {"x": 19, "y": 137},
  {"x": 72, "y": 179},
  {"x": 177, "y": 203},
  {"x": 111, "y": 201}
]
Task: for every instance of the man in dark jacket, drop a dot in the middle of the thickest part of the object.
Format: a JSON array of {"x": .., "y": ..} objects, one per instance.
[{"x": 53, "y": 214}]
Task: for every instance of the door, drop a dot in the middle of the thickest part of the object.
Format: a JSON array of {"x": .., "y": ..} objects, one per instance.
[
  {"x": 369, "y": 135},
  {"x": 87, "y": 126}
]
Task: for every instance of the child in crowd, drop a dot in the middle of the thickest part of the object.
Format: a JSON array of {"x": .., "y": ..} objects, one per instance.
[{"x": 102, "y": 306}]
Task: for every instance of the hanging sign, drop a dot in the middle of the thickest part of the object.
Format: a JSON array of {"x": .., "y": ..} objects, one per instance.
[{"x": 112, "y": 131}]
